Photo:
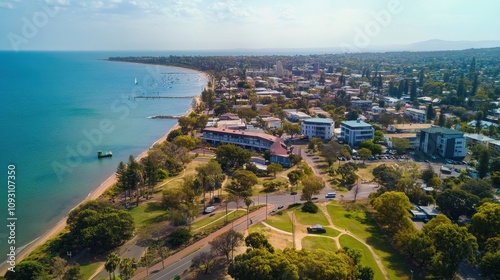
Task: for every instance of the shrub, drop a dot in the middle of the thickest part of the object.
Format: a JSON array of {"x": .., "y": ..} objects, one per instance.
[{"x": 310, "y": 207}]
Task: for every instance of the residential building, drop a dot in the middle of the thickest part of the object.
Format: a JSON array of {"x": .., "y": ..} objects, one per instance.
[
  {"x": 477, "y": 139},
  {"x": 272, "y": 122},
  {"x": 244, "y": 139},
  {"x": 280, "y": 153},
  {"x": 355, "y": 132},
  {"x": 412, "y": 139},
  {"x": 442, "y": 141},
  {"x": 363, "y": 104},
  {"x": 318, "y": 127},
  {"x": 416, "y": 115},
  {"x": 407, "y": 127},
  {"x": 295, "y": 115}
]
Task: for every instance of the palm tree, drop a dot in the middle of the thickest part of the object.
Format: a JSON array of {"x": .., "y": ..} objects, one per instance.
[
  {"x": 126, "y": 268},
  {"x": 111, "y": 264}
]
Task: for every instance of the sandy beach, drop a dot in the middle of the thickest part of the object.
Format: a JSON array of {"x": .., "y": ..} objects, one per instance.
[{"x": 95, "y": 194}]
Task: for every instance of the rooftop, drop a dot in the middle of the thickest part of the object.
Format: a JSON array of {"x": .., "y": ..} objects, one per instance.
[
  {"x": 442, "y": 130},
  {"x": 407, "y": 126},
  {"x": 318, "y": 120},
  {"x": 356, "y": 123},
  {"x": 240, "y": 132}
]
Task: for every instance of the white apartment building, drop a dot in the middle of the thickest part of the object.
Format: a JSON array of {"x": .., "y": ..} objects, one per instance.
[
  {"x": 355, "y": 132},
  {"x": 416, "y": 115},
  {"x": 318, "y": 127}
]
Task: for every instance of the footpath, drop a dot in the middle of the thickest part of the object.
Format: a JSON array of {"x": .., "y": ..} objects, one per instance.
[{"x": 141, "y": 274}]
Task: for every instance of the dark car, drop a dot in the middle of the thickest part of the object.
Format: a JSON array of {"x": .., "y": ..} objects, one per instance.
[
  {"x": 280, "y": 207},
  {"x": 316, "y": 229},
  {"x": 293, "y": 193}
]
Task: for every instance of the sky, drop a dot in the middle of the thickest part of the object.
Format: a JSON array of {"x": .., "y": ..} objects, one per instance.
[{"x": 238, "y": 24}]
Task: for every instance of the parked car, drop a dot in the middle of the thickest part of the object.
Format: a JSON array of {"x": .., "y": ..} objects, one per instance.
[
  {"x": 316, "y": 229},
  {"x": 209, "y": 209},
  {"x": 293, "y": 193},
  {"x": 331, "y": 195}
]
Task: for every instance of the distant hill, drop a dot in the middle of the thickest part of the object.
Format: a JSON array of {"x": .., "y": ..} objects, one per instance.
[{"x": 441, "y": 45}]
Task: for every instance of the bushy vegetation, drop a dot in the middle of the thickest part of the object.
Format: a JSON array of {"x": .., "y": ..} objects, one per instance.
[{"x": 310, "y": 207}]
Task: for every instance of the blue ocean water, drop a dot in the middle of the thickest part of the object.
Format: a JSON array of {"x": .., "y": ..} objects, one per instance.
[{"x": 57, "y": 109}]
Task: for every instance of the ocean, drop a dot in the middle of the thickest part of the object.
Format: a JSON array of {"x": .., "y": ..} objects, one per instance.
[{"x": 57, "y": 109}]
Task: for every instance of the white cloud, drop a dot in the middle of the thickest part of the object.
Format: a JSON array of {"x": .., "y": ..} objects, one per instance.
[
  {"x": 6, "y": 5},
  {"x": 286, "y": 12},
  {"x": 226, "y": 10}
]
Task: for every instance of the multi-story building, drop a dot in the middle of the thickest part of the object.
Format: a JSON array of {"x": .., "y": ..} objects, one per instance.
[
  {"x": 244, "y": 139},
  {"x": 407, "y": 127},
  {"x": 416, "y": 115},
  {"x": 318, "y": 127},
  {"x": 355, "y": 132},
  {"x": 412, "y": 139},
  {"x": 442, "y": 141}
]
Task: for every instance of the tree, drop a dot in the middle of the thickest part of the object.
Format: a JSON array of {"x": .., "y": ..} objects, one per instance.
[
  {"x": 127, "y": 268},
  {"x": 375, "y": 148},
  {"x": 58, "y": 266},
  {"x": 379, "y": 136},
  {"x": 226, "y": 243},
  {"x": 347, "y": 173},
  {"x": 480, "y": 187},
  {"x": 232, "y": 157},
  {"x": 491, "y": 258},
  {"x": 452, "y": 244},
  {"x": 485, "y": 224},
  {"x": 185, "y": 141},
  {"x": 257, "y": 240},
  {"x": 454, "y": 203},
  {"x": 292, "y": 129},
  {"x": 393, "y": 211},
  {"x": 210, "y": 176},
  {"x": 430, "y": 112},
  {"x": 99, "y": 226},
  {"x": 364, "y": 153},
  {"x": 73, "y": 273},
  {"x": 442, "y": 119},
  {"x": 294, "y": 176},
  {"x": 241, "y": 185},
  {"x": 27, "y": 270},
  {"x": 400, "y": 145},
  {"x": 112, "y": 263},
  {"x": 387, "y": 176},
  {"x": 311, "y": 185},
  {"x": 484, "y": 162},
  {"x": 331, "y": 151},
  {"x": 274, "y": 168},
  {"x": 204, "y": 262}
]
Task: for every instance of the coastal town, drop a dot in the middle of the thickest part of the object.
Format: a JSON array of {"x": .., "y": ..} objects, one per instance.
[{"x": 335, "y": 166}]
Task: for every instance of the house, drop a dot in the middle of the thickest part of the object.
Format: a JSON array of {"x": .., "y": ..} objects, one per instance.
[
  {"x": 295, "y": 115},
  {"x": 318, "y": 127},
  {"x": 442, "y": 141},
  {"x": 416, "y": 115},
  {"x": 272, "y": 122},
  {"x": 362, "y": 104},
  {"x": 355, "y": 132},
  {"x": 228, "y": 117},
  {"x": 280, "y": 153}
]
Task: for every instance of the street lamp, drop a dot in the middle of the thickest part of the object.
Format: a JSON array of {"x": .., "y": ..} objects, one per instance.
[{"x": 411, "y": 274}]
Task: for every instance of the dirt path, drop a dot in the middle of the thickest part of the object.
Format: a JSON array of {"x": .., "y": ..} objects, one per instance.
[{"x": 276, "y": 229}]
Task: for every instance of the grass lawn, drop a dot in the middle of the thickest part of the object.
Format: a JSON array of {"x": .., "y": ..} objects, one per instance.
[
  {"x": 88, "y": 269},
  {"x": 214, "y": 217},
  {"x": 219, "y": 223},
  {"x": 364, "y": 227},
  {"x": 331, "y": 232},
  {"x": 311, "y": 219},
  {"x": 318, "y": 242},
  {"x": 280, "y": 220},
  {"x": 148, "y": 213},
  {"x": 367, "y": 257}
]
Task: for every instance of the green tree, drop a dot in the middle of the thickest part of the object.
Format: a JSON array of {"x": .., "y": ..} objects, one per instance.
[
  {"x": 454, "y": 203},
  {"x": 210, "y": 176},
  {"x": 430, "y": 112},
  {"x": 400, "y": 145},
  {"x": 204, "y": 262},
  {"x": 485, "y": 224},
  {"x": 442, "y": 119},
  {"x": 379, "y": 136},
  {"x": 27, "y": 270},
  {"x": 484, "y": 163},
  {"x": 375, "y": 148},
  {"x": 347, "y": 173},
  {"x": 274, "y": 168},
  {"x": 491, "y": 258},
  {"x": 294, "y": 176},
  {"x": 226, "y": 243},
  {"x": 364, "y": 153},
  {"x": 232, "y": 157},
  {"x": 99, "y": 226},
  {"x": 386, "y": 176},
  {"x": 257, "y": 240},
  {"x": 331, "y": 151},
  {"x": 393, "y": 211},
  {"x": 453, "y": 244},
  {"x": 311, "y": 185},
  {"x": 58, "y": 266},
  {"x": 480, "y": 187},
  {"x": 185, "y": 141},
  {"x": 73, "y": 273},
  {"x": 126, "y": 268},
  {"x": 112, "y": 263}
]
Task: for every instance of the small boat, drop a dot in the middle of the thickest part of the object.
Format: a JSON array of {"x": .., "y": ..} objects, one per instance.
[
  {"x": 101, "y": 154},
  {"x": 135, "y": 81}
]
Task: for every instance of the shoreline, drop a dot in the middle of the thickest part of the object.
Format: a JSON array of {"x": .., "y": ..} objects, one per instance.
[{"x": 60, "y": 225}]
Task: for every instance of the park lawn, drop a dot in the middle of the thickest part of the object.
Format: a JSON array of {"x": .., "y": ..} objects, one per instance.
[
  {"x": 88, "y": 269},
  {"x": 280, "y": 220},
  {"x": 148, "y": 213},
  {"x": 367, "y": 257},
  {"x": 318, "y": 242},
  {"x": 331, "y": 232},
  {"x": 310, "y": 218},
  {"x": 366, "y": 173},
  {"x": 364, "y": 227},
  {"x": 220, "y": 223},
  {"x": 207, "y": 219}
]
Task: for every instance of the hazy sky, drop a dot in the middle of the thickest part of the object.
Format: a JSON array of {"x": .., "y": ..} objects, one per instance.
[{"x": 234, "y": 24}]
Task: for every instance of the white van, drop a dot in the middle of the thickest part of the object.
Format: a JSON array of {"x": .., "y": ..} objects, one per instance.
[
  {"x": 331, "y": 195},
  {"x": 209, "y": 209}
]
